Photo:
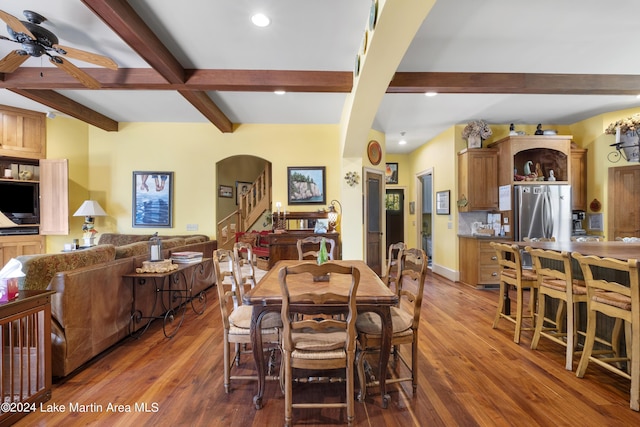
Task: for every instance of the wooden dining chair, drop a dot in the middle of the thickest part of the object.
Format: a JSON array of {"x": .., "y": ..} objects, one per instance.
[
  {"x": 317, "y": 343},
  {"x": 391, "y": 270},
  {"x": 236, "y": 318},
  {"x": 405, "y": 318},
  {"x": 556, "y": 281},
  {"x": 309, "y": 247},
  {"x": 244, "y": 268},
  {"x": 619, "y": 301},
  {"x": 512, "y": 274}
]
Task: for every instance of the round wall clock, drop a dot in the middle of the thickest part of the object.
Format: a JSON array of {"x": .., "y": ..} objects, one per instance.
[{"x": 374, "y": 152}]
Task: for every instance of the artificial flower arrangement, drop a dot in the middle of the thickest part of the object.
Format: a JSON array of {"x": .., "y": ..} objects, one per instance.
[
  {"x": 477, "y": 128},
  {"x": 630, "y": 124},
  {"x": 352, "y": 178}
]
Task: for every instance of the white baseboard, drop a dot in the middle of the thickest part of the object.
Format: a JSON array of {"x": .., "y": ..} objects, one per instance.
[{"x": 445, "y": 272}]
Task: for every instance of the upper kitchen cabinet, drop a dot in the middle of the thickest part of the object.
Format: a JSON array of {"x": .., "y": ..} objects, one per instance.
[
  {"x": 478, "y": 179},
  {"x": 535, "y": 159},
  {"x": 22, "y": 133},
  {"x": 579, "y": 179}
]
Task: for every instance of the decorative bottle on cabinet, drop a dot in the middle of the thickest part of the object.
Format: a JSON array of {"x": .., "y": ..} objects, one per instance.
[{"x": 322, "y": 254}]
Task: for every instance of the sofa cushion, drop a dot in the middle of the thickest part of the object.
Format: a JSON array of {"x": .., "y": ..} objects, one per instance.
[
  {"x": 118, "y": 239},
  {"x": 173, "y": 243},
  {"x": 132, "y": 249},
  {"x": 40, "y": 269}
]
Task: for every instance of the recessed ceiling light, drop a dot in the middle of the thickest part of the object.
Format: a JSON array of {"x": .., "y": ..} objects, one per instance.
[
  {"x": 638, "y": 96},
  {"x": 279, "y": 92},
  {"x": 430, "y": 93},
  {"x": 402, "y": 142},
  {"x": 260, "y": 20}
]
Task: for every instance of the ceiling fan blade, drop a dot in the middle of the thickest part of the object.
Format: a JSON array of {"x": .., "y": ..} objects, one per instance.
[
  {"x": 12, "y": 61},
  {"x": 15, "y": 24},
  {"x": 85, "y": 56},
  {"x": 76, "y": 72}
]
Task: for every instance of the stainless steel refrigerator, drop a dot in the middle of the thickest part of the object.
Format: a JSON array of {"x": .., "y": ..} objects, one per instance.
[{"x": 542, "y": 211}]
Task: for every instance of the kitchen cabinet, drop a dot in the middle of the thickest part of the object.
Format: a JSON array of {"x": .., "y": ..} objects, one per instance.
[
  {"x": 13, "y": 246},
  {"x": 579, "y": 179},
  {"x": 478, "y": 179},
  {"x": 22, "y": 133},
  {"x": 478, "y": 262}
]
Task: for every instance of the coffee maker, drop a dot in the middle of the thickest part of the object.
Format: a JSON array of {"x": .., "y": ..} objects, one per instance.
[{"x": 578, "y": 217}]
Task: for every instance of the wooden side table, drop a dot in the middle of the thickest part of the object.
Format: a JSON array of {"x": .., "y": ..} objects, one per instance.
[{"x": 25, "y": 331}]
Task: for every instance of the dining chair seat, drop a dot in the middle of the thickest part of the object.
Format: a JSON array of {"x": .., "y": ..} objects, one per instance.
[
  {"x": 512, "y": 274},
  {"x": 616, "y": 296},
  {"x": 556, "y": 283},
  {"x": 405, "y": 320},
  {"x": 236, "y": 318}
]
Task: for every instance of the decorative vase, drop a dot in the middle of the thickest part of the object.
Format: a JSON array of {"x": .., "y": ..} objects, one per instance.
[
  {"x": 630, "y": 144},
  {"x": 474, "y": 141},
  {"x": 89, "y": 241}
]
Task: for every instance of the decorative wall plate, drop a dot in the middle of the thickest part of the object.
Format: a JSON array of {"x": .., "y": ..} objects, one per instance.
[
  {"x": 374, "y": 152},
  {"x": 373, "y": 14}
]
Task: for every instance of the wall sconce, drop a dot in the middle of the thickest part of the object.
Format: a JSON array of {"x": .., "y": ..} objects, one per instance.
[
  {"x": 352, "y": 178},
  {"x": 89, "y": 209},
  {"x": 627, "y": 147},
  {"x": 334, "y": 215}
]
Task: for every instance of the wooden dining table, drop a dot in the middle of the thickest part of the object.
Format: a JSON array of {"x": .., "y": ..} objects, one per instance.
[{"x": 372, "y": 296}]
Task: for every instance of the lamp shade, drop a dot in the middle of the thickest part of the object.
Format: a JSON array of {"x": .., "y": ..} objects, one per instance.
[{"x": 90, "y": 208}]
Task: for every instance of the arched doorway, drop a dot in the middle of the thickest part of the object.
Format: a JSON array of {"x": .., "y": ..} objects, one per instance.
[{"x": 234, "y": 175}]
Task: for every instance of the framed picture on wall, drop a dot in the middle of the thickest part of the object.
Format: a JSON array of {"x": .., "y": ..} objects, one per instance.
[
  {"x": 391, "y": 173},
  {"x": 442, "y": 202},
  {"x": 152, "y": 199},
  {"x": 306, "y": 185},
  {"x": 225, "y": 191},
  {"x": 242, "y": 188}
]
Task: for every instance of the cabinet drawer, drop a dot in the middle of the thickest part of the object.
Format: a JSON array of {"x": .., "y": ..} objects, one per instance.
[
  {"x": 489, "y": 274},
  {"x": 488, "y": 259}
]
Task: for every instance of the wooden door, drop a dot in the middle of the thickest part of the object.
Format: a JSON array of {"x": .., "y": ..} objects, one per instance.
[
  {"x": 624, "y": 202},
  {"x": 373, "y": 218},
  {"x": 394, "y": 208}
]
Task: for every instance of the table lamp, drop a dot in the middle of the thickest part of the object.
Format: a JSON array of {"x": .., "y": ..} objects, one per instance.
[{"x": 89, "y": 209}]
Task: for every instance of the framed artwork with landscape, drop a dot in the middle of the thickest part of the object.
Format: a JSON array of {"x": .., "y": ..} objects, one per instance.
[
  {"x": 152, "y": 199},
  {"x": 306, "y": 185}
]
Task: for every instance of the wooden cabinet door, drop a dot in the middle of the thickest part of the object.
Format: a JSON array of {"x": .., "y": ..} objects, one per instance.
[
  {"x": 54, "y": 197},
  {"x": 22, "y": 133},
  {"x": 579, "y": 179},
  {"x": 478, "y": 179},
  {"x": 13, "y": 246},
  {"x": 624, "y": 202}
]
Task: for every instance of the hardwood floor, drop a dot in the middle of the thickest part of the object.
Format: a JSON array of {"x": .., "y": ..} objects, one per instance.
[{"x": 470, "y": 375}]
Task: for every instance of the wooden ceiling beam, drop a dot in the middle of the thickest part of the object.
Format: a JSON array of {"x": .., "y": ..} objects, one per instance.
[
  {"x": 517, "y": 83},
  {"x": 125, "y": 22},
  {"x": 69, "y": 107},
  {"x": 329, "y": 81}
]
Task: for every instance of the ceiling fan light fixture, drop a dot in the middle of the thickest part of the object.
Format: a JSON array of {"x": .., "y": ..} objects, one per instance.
[{"x": 260, "y": 20}]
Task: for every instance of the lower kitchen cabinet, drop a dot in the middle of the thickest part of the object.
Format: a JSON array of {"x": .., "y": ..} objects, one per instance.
[{"x": 478, "y": 262}]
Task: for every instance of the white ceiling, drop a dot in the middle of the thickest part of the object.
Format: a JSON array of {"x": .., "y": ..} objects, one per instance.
[{"x": 546, "y": 36}]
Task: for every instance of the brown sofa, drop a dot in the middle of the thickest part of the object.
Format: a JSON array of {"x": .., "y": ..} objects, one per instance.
[{"x": 91, "y": 309}]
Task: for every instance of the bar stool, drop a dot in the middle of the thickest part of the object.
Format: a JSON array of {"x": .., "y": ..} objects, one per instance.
[
  {"x": 561, "y": 286},
  {"x": 512, "y": 274},
  {"x": 618, "y": 301}
]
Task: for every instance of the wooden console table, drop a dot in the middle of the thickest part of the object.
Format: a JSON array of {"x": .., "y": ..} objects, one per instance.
[
  {"x": 25, "y": 325},
  {"x": 177, "y": 286}
]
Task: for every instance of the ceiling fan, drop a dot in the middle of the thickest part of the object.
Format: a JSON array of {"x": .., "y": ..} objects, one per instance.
[{"x": 37, "y": 41}]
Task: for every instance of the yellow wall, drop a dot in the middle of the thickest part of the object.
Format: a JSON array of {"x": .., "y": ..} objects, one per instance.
[{"x": 101, "y": 165}]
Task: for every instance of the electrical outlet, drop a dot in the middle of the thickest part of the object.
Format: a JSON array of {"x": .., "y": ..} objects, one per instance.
[{"x": 192, "y": 227}]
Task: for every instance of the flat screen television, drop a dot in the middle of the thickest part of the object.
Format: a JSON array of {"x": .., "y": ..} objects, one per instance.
[{"x": 20, "y": 201}]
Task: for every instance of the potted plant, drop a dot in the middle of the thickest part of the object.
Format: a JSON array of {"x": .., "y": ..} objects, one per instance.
[{"x": 475, "y": 132}]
